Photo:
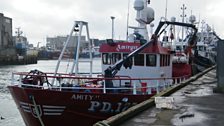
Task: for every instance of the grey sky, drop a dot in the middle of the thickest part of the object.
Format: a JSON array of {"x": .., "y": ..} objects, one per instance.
[{"x": 41, "y": 18}]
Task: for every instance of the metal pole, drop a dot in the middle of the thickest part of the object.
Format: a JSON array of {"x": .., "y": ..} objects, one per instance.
[
  {"x": 166, "y": 10},
  {"x": 77, "y": 52},
  {"x": 112, "y": 18},
  {"x": 90, "y": 49},
  {"x": 62, "y": 52},
  {"x": 128, "y": 20}
]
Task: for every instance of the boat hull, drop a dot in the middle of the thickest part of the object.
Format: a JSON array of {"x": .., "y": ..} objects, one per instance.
[
  {"x": 202, "y": 63},
  {"x": 181, "y": 70},
  {"x": 69, "y": 108}
]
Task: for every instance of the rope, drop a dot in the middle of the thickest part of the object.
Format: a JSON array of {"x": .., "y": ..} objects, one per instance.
[
  {"x": 37, "y": 111},
  {"x": 67, "y": 65}
]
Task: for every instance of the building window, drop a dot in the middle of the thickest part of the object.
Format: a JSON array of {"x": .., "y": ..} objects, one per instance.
[
  {"x": 7, "y": 21},
  {"x": 139, "y": 60},
  {"x": 150, "y": 60},
  {"x": 106, "y": 58}
]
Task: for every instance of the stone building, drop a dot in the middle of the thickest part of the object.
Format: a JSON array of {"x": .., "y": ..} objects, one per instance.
[
  {"x": 56, "y": 43},
  {"x": 9, "y": 54},
  {"x": 6, "y": 40}
]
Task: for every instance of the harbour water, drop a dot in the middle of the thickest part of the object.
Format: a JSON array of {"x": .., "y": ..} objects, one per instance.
[{"x": 9, "y": 113}]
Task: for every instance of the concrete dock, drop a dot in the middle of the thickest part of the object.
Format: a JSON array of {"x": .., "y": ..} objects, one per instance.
[{"x": 195, "y": 104}]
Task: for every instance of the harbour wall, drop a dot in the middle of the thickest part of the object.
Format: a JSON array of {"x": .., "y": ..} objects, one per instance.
[{"x": 9, "y": 57}]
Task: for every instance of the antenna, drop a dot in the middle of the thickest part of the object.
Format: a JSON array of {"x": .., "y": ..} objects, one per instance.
[
  {"x": 19, "y": 32},
  {"x": 166, "y": 10},
  {"x": 199, "y": 20},
  {"x": 183, "y": 8},
  {"x": 128, "y": 19}
]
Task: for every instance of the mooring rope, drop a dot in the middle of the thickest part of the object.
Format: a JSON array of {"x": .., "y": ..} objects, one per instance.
[{"x": 37, "y": 111}]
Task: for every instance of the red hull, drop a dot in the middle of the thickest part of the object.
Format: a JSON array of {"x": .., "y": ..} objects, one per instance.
[
  {"x": 67, "y": 108},
  {"x": 181, "y": 69}
]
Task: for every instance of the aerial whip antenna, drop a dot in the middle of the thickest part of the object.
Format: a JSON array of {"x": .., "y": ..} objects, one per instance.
[
  {"x": 128, "y": 19},
  {"x": 166, "y": 11}
]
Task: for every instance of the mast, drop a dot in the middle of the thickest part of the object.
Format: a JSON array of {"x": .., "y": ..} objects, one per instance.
[
  {"x": 202, "y": 29},
  {"x": 183, "y": 8},
  {"x": 19, "y": 33}
]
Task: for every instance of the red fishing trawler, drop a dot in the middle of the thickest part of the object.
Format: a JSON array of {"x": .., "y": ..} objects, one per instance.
[{"x": 132, "y": 71}]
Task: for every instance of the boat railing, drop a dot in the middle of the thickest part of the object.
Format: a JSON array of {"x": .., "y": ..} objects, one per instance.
[{"x": 71, "y": 82}]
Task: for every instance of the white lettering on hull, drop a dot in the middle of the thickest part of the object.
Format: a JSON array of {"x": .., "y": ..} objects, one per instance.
[
  {"x": 96, "y": 105},
  {"x": 84, "y": 97},
  {"x": 107, "y": 107}
]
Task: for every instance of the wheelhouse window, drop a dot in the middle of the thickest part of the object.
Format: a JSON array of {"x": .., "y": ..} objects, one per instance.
[
  {"x": 168, "y": 60},
  {"x": 161, "y": 60},
  {"x": 150, "y": 60},
  {"x": 164, "y": 60},
  {"x": 201, "y": 48},
  {"x": 125, "y": 55},
  {"x": 178, "y": 47},
  {"x": 115, "y": 57},
  {"x": 106, "y": 58},
  {"x": 139, "y": 60}
]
